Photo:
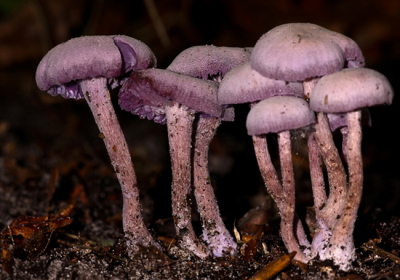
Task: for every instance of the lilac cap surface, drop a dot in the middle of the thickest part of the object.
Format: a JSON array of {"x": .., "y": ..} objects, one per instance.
[
  {"x": 337, "y": 120},
  {"x": 145, "y": 109},
  {"x": 349, "y": 90},
  {"x": 279, "y": 113},
  {"x": 207, "y": 62},
  {"x": 243, "y": 84},
  {"x": 158, "y": 88},
  {"x": 298, "y": 51},
  {"x": 340, "y": 119},
  {"x": 61, "y": 69}
]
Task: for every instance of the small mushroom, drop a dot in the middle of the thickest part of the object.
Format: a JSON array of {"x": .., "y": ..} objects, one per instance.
[
  {"x": 347, "y": 92},
  {"x": 280, "y": 114},
  {"x": 208, "y": 63},
  {"x": 177, "y": 97},
  {"x": 242, "y": 85},
  {"x": 83, "y": 68}
]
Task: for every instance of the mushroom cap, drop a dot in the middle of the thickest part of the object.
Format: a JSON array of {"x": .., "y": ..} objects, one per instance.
[
  {"x": 136, "y": 55},
  {"x": 207, "y": 62},
  {"x": 349, "y": 90},
  {"x": 157, "y": 88},
  {"x": 243, "y": 84},
  {"x": 279, "y": 113},
  {"x": 298, "y": 51},
  {"x": 339, "y": 120},
  {"x": 143, "y": 108},
  {"x": 61, "y": 69}
]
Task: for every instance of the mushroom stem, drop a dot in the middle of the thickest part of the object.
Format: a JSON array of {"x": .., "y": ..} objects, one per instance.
[
  {"x": 317, "y": 178},
  {"x": 98, "y": 98},
  {"x": 308, "y": 86},
  {"x": 267, "y": 170},
  {"x": 179, "y": 124},
  {"x": 336, "y": 174},
  {"x": 330, "y": 214},
  {"x": 322, "y": 234},
  {"x": 345, "y": 134},
  {"x": 327, "y": 210},
  {"x": 288, "y": 184},
  {"x": 214, "y": 231},
  {"x": 275, "y": 189},
  {"x": 342, "y": 250}
]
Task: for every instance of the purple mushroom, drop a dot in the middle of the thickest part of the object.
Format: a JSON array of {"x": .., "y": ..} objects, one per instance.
[
  {"x": 176, "y": 98},
  {"x": 304, "y": 52},
  {"x": 280, "y": 114},
  {"x": 83, "y": 68},
  {"x": 208, "y": 63},
  {"x": 347, "y": 92},
  {"x": 242, "y": 85}
]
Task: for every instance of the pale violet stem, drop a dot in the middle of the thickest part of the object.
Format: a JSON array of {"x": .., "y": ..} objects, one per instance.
[
  {"x": 98, "y": 98},
  {"x": 288, "y": 186},
  {"x": 179, "y": 125},
  {"x": 342, "y": 249},
  {"x": 274, "y": 188},
  {"x": 335, "y": 203},
  {"x": 215, "y": 233}
]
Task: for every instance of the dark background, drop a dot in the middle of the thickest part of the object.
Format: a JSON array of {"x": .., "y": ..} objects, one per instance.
[{"x": 39, "y": 132}]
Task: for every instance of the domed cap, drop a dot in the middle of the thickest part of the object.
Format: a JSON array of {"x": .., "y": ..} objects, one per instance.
[
  {"x": 243, "y": 84},
  {"x": 66, "y": 64},
  {"x": 298, "y": 51},
  {"x": 278, "y": 114},
  {"x": 349, "y": 90},
  {"x": 208, "y": 62},
  {"x": 158, "y": 88}
]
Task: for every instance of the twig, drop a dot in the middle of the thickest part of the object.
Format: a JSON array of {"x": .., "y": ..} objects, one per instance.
[
  {"x": 11, "y": 235},
  {"x": 157, "y": 22},
  {"x": 372, "y": 246},
  {"x": 169, "y": 246},
  {"x": 236, "y": 233},
  {"x": 79, "y": 237},
  {"x": 273, "y": 268},
  {"x": 48, "y": 241}
]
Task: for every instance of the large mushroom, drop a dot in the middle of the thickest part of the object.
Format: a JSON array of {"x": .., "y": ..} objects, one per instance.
[
  {"x": 347, "y": 92},
  {"x": 280, "y": 114},
  {"x": 208, "y": 63},
  {"x": 175, "y": 98},
  {"x": 83, "y": 68},
  {"x": 305, "y": 52}
]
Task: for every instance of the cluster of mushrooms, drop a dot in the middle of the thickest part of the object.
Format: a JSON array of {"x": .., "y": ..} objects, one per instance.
[{"x": 297, "y": 76}]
